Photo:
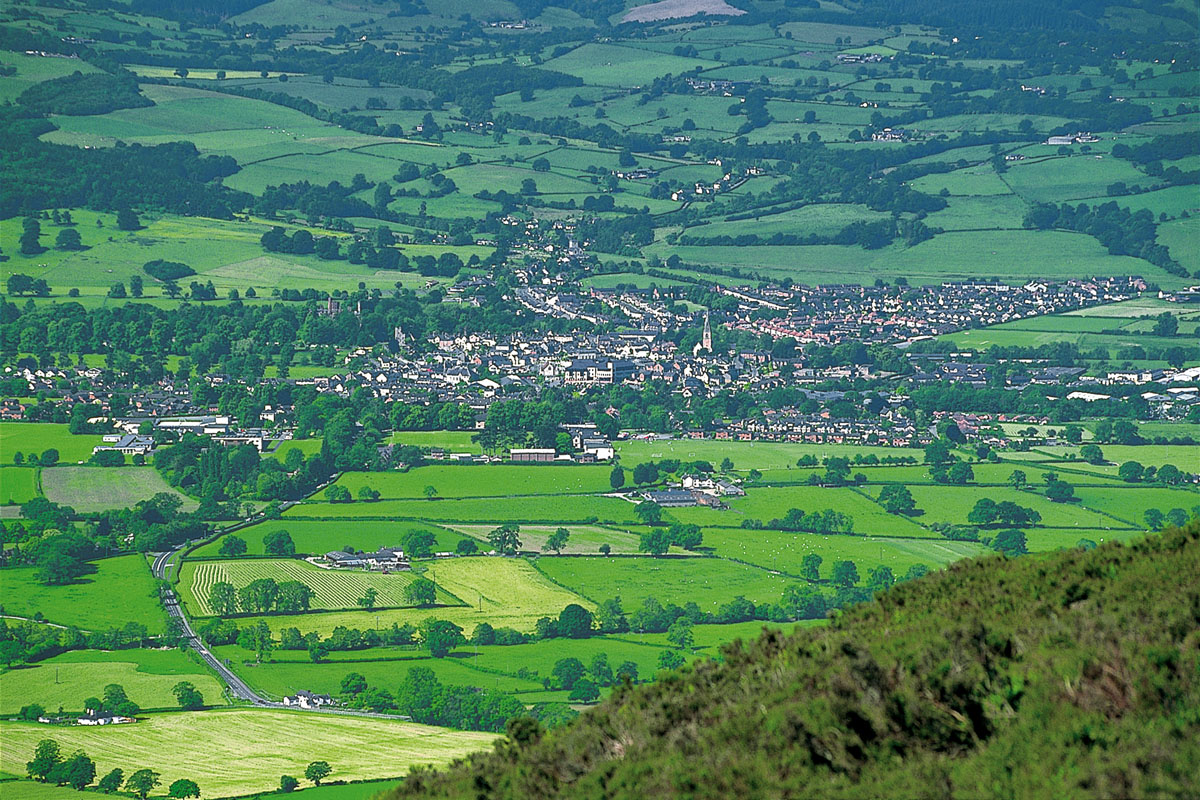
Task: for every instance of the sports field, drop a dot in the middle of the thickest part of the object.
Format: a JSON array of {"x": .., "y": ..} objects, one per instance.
[{"x": 209, "y": 747}]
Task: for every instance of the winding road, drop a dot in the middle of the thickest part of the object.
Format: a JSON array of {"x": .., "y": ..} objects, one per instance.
[{"x": 161, "y": 567}]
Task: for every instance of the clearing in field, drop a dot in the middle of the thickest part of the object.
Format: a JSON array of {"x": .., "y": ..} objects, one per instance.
[
  {"x": 209, "y": 747},
  {"x": 332, "y": 589},
  {"x": 65, "y": 681},
  {"x": 18, "y": 485},
  {"x": 104, "y": 488},
  {"x": 121, "y": 590}
]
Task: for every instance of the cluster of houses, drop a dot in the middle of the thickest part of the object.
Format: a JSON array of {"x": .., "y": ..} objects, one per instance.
[
  {"x": 693, "y": 490},
  {"x": 90, "y": 717}
]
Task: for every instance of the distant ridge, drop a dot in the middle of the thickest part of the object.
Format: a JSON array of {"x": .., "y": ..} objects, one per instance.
[{"x": 1075, "y": 675}]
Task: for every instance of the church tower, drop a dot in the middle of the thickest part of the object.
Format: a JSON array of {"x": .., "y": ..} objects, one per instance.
[{"x": 706, "y": 339}]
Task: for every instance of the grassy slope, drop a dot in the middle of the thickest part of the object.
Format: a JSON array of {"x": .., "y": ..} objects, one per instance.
[
  {"x": 69, "y": 679},
  {"x": 210, "y": 747},
  {"x": 121, "y": 590},
  {"x": 1080, "y": 667}
]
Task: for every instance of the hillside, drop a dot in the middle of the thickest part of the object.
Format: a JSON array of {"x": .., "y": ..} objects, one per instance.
[{"x": 1071, "y": 675}]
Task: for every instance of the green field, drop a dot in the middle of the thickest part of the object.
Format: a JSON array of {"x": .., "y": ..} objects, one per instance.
[
  {"x": 317, "y": 538},
  {"x": 89, "y": 489},
  {"x": 451, "y": 441},
  {"x": 708, "y": 581},
  {"x": 491, "y": 480},
  {"x": 332, "y": 589},
  {"x": 65, "y": 681},
  {"x": 515, "y": 509},
  {"x": 584, "y": 539},
  {"x": 209, "y": 747},
  {"x": 92, "y": 602},
  {"x": 745, "y": 455},
  {"x": 38, "y": 437},
  {"x": 18, "y": 485},
  {"x": 287, "y": 672},
  {"x": 501, "y": 591},
  {"x": 951, "y": 504}
]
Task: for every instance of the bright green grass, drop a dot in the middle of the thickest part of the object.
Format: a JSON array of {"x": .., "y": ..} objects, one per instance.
[
  {"x": 523, "y": 509},
  {"x": 317, "y": 538},
  {"x": 32, "y": 790},
  {"x": 291, "y": 671},
  {"x": 209, "y": 747},
  {"x": 17, "y": 485},
  {"x": 501, "y": 591},
  {"x": 492, "y": 480},
  {"x": 951, "y": 504},
  {"x": 1042, "y": 540},
  {"x": 540, "y": 657},
  {"x": 869, "y": 517},
  {"x": 614, "y": 65},
  {"x": 785, "y": 551},
  {"x": 102, "y": 488},
  {"x": 1061, "y": 179},
  {"x": 451, "y": 441},
  {"x": 35, "y": 69},
  {"x": 121, "y": 590},
  {"x": 584, "y": 539},
  {"x": 708, "y": 581},
  {"x": 1184, "y": 456},
  {"x": 65, "y": 681},
  {"x": 233, "y": 257},
  {"x": 1132, "y": 503},
  {"x": 821, "y": 219},
  {"x": 980, "y": 213},
  {"x": 332, "y": 589},
  {"x": 37, "y": 437},
  {"x": 745, "y": 455},
  {"x": 306, "y": 446},
  {"x": 1182, "y": 238},
  {"x": 976, "y": 180}
]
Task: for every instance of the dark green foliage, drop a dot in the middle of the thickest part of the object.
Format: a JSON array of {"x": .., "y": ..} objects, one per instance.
[
  {"x": 167, "y": 270},
  {"x": 82, "y": 95},
  {"x": 1080, "y": 667}
]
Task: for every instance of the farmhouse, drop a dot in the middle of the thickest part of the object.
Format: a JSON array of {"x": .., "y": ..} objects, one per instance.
[
  {"x": 305, "y": 699},
  {"x": 94, "y": 717},
  {"x": 130, "y": 444},
  {"x": 386, "y": 558}
]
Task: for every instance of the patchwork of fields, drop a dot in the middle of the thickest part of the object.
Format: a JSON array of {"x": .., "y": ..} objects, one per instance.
[
  {"x": 210, "y": 747},
  {"x": 332, "y": 589}
]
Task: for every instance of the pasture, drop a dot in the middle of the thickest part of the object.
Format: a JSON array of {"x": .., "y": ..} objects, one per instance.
[
  {"x": 317, "y": 538},
  {"x": 18, "y": 485},
  {"x": 288, "y": 671},
  {"x": 38, "y": 437},
  {"x": 708, "y": 581},
  {"x": 490, "y": 480},
  {"x": 66, "y": 680},
  {"x": 506, "y": 592},
  {"x": 584, "y": 539},
  {"x": 103, "y": 488},
  {"x": 120, "y": 590},
  {"x": 582, "y": 509},
  {"x": 332, "y": 589},
  {"x": 209, "y": 747},
  {"x": 778, "y": 550}
]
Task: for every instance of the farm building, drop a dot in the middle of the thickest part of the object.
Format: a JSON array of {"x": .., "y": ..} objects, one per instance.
[
  {"x": 671, "y": 498},
  {"x": 541, "y": 455},
  {"x": 131, "y": 444},
  {"x": 305, "y": 699}
]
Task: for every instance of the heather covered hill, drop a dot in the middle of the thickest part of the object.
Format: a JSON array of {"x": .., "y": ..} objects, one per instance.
[{"x": 1071, "y": 675}]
